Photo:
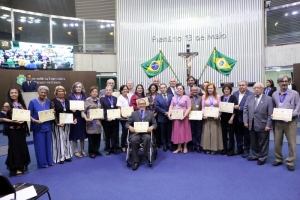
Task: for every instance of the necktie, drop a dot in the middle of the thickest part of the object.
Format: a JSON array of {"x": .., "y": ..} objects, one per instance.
[
  {"x": 28, "y": 83},
  {"x": 165, "y": 97},
  {"x": 256, "y": 101}
]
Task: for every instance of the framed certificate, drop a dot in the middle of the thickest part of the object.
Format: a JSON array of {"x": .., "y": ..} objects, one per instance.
[
  {"x": 116, "y": 94},
  {"x": 211, "y": 112},
  {"x": 140, "y": 127},
  {"x": 76, "y": 105},
  {"x": 126, "y": 111},
  {"x": 146, "y": 99},
  {"x": 20, "y": 115},
  {"x": 282, "y": 114},
  {"x": 226, "y": 107},
  {"x": 195, "y": 115},
  {"x": 96, "y": 113},
  {"x": 177, "y": 114},
  {"x": 46, "y": 115},
  {"x": 66, "y": 118},
  {"x": 113, "y": 113}
]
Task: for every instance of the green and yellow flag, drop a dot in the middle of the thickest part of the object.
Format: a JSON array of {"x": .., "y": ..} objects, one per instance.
[
  {"x": 221, "y": 63},
  {"x": 155, "y": 66}
]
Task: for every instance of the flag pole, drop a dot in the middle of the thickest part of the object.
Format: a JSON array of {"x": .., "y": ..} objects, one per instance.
[
  {"x": 170, "y": 66},
  {"x": 204, "y": 69}
]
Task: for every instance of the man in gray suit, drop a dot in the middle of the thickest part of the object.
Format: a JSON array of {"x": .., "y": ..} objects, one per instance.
[
  {"x": 141, "y": 115},
  {"x": 257, "y": 117},
  {"x": 109, "y": 82}
]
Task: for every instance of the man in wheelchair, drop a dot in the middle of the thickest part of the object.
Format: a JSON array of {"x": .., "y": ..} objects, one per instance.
[{"x": 135, "y": 138}]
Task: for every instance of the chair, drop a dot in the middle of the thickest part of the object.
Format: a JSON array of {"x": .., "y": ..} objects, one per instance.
[
  {"x": 7, "y": 188},
  {"x": 153, "y": 149}
]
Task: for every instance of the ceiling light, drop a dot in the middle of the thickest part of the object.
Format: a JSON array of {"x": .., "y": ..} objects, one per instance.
[
  {"x": 37, "y": 21},
  {"x": 53, "y": 23},
  {"x": 277, "y": 70},
  {"x": 107, "y": 25},
  {"x": 112, "y": 25},
  {"x": 276, "y": 23},
  {"x": 20, "y": 28},
  {"x": 30, "y": 22},
  {"x": 71, "y": 24},
  {"x": 22, "y": 17},
  {"x": 5, "y": 15},
  {"x": 69, "y": 33},
  {"x": 286, "y": 14},
  {"x": 102, "y": 26},
  {"x": 65, "y": 25},
  {"x": 30, "y": 17},
  {"x": 22, "y": 20},
  {"x": 111, "y": 33},
  {"x": 76, "y": 24},
  {"x": 294, "y": 12},
  {"x": 9, "y": 20}
]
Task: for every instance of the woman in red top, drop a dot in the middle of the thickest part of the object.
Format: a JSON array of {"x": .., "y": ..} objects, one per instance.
[{"x": 139, "y": 93}]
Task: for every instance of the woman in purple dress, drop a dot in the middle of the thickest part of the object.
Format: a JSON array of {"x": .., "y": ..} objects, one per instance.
[
  {"x": 181, "y": 130},
  {"x": 78, "y": 131}
]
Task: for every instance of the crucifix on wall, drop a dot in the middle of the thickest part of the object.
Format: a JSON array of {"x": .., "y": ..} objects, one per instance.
[{"x": 188, "y": 56}]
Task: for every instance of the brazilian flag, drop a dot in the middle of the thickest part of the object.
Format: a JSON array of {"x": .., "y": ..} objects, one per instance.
[
  {"x": 155, "y": 66},
  {"x": 221, "y": 63}
]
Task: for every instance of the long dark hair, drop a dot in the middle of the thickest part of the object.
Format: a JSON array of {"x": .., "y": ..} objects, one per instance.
[
  {"x": 156, "y": 88},
  {"x": 20, "y": 98},
  {"x": 143, "y": 93}
]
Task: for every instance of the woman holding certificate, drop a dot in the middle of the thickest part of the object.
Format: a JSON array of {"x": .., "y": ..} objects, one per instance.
[
  {"x": 78, "y": 130},
  {"x": 111, "y": 121},
  {"x": 61, "y": 148},
  {"x": 181, "y": 130},
  {"x": 211, "y": 139},
  {"x": 93, "y": 126},
  {"x": 123, "y": 102},
  {"x": 139, "y": 93},
  {"x": 18, "y": 157},
  {"x": 227, "y": 121},
  {"x": 41, "y": 129}
]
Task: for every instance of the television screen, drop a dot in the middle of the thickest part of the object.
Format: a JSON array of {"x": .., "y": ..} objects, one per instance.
[{"x": 23, "y": 55}]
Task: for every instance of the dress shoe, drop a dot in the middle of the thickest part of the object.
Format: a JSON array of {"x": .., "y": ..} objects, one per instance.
[
  {"x": 69, "y": 160},
  {"x": 108, "y": 153},
  {"x": 251, "y": 158},
  {"x": 115, "y": 151},
  {"x": 25, "y": 170},
  {"x": 237, "y": 152},
  {"x": 245, "y": 154},
  {"x": 192, "y": 149},
  {"x": 135, "y": 166},
  {"x": 259, "y": 162},
  {"x": 291, "y": 168},
  {"x": 198, "y": 150},
  {"x": 165, "y": 149},
  {"x": 61, "y": 162},
  {"x": 223, "y": 152},
  {"x": 230, "y": 153},
  {"x": 98, "y": 153},
  {"x": 275, "y": 163},
  {"x": 92, "y": 156},
  {"x": 177, "y": 151}
]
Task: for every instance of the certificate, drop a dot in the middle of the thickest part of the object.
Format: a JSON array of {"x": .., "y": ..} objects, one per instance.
[
  {"x": 140, "y": 127},
  {"x": 211, "y": 112},
  {"x": 282, "y": 114},
  {"x": 96, "y": 113},
  {"x": 76, "y": 105},
  {"x": 21, "y": 115},
  {"x": 126, "y": 111},
  {"x": 226, "y": 107},
  {"x": 113, "y": 113},
  {"x": 46, "y": 115},
  {"x": 116, "y": 94},
  {"x": 146, "y": 99},
  {"x": 195, "y": 115},
  {"x": 66, "y": 118},
  {"x": 177, "y": 114}
]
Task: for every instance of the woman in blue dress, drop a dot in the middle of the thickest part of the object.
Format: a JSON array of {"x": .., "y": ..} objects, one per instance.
[
  {"x": 78, "y": 131},
  {"x": 41, "y": 130}
]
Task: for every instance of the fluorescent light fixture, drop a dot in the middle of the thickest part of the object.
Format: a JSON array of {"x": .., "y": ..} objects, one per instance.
[
  {"x": 286, "y": 14},
  {"x": 53, "y": 23},
  {"x": 102, "y": 26},
  {"x": 112, "y": 25},
  {"x": 107, "y": 25},
  {"x": 30, "y": 17},
  {"x": 23, "y": 17},
  {"x": 294, "y": 12},
  {"x": 9, "y": 20},
  {"x": 30, "y": 22},
  {"x": 76, "y": 24},
  {"x": 22, "y": 20},
  {"x": 65, "y": 25},
  {"x": 71, "y": 24},
  {"x": 5, "y": 15},
  {"x": 276, "y": 23}
]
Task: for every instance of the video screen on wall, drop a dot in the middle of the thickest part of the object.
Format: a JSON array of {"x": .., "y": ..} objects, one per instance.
[{"x": 31, "y": 56}]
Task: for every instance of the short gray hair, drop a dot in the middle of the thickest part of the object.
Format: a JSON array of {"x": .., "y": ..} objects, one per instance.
[
  {"x": 281, "y": 77},
  {"x": 73, "y": 89},
  {"x": 246, "y": 82},
  {"x": 108, "y": 87},
  {"x": 42, "y": 87}
]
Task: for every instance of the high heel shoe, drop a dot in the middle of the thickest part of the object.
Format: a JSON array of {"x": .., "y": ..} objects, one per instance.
[
  {"x": 177, "y": 151},
  {"x": 185, "y": 151}
]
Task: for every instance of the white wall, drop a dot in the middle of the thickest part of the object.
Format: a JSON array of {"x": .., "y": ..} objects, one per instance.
[
  {"x": 283, "y": 55},
  {"x": 95, "y": 62}
]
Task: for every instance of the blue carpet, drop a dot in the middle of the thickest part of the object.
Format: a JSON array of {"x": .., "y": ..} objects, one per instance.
[{"x": 181, "y": 176}]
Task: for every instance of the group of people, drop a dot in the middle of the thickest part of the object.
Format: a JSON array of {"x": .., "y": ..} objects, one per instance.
[{"x": 249, "y": 124}]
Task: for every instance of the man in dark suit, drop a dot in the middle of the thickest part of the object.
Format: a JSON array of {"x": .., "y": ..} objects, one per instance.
[
  {"x": 29, "y": 85},
  {"x": 162, "y": 104},
  {"x": 172, "y": 88},
  {"x": 141, "y": 115},
  {"x": 257, "y": 118},
  {"x": 241, "y": 132}
]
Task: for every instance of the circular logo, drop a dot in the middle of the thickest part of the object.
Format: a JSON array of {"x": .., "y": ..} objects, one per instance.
[
  {"x": 221, "y": 63},
  {"x": 155, "y": 66},
  {"x": 20, "y": 79}
]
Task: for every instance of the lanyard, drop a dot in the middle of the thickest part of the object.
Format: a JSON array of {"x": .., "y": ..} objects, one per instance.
[
  {"x": 142, "y": 112},
  {"x": 211, "y": 100},
  {"x": 281, "y": 99},
  {"x": 80, "y": 98},
  {"x": 40, "y": 102},
  {"x": 127, "y": 99},
  {"x": 111, "y": 101},
  {"x": 63, "y": 104},
  {"x": 196, "y": 101},
  {"x": 267, "y": 90},
  {"x": 97, "y": 103},
  {"x": 17, "y": 106},
  {"x": 226, "y": 99},
  {"x": 177, "y": 101}
]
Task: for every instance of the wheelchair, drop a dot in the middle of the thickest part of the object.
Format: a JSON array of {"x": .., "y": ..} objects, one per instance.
[{"x": 152, "y": 153}]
